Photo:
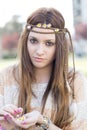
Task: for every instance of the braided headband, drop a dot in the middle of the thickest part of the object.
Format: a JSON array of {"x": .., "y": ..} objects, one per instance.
[
  {"x": 39, "y": 29},
  {"x": 45, "y": 26}
]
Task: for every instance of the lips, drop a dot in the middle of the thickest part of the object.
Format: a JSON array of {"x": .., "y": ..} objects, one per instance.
[{"x": 38, "y": 59}]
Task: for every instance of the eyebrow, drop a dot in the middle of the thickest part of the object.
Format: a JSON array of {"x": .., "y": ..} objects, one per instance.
[{"x": 52, "y": 40}]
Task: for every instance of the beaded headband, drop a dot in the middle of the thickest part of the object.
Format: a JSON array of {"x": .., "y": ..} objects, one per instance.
[{"x": 45, "y": 26}]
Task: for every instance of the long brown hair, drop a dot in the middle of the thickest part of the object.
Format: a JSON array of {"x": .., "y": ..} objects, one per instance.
[{"x": 59, "y": 77}]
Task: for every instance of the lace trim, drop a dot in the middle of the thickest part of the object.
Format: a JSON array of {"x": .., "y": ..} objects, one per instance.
[
  {"x": 39, "y": 90},
  {"x": 11, "y": 96},
  {"x": 82, "y": 110}
]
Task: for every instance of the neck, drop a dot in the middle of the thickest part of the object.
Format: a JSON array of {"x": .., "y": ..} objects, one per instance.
[{"x": 43, "y": 74}]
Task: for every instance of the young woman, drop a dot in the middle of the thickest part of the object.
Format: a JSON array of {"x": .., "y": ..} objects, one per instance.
[{"x": 41, "y": 92}]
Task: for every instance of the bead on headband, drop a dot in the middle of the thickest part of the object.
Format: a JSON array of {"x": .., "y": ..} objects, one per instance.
[{"x": 45, "y": 26}]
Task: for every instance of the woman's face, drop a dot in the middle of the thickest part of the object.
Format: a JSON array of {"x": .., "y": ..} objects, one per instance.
[{"x": 41, "y": 48}]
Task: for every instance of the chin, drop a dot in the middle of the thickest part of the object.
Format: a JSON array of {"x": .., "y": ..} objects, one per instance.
[{"x": 40, "y": 66}]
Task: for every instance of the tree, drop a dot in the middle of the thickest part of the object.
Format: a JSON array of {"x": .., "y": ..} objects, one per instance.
[
  {"x": 10, "y": 34},
  {"x": 12, "y": 26},
  {"x": 10, "y": 41}
]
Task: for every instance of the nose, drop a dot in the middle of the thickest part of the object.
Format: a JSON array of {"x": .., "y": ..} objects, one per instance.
[{"x": 40, "y": 49}]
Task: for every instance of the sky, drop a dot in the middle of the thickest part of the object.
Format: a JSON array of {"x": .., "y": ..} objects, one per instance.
[{"x": 24, "y": 8}]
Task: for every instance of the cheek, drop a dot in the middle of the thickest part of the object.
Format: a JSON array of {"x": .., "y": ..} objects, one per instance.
[
  {"x": 51, "y": 53},
  {"x": 30, "y": 49}
]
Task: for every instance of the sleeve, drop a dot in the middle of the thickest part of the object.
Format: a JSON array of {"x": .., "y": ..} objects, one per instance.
[
  {"x": 1, "y": 89},
  {"x": 8, "y": 88},
  {"x": 80, "y": 92}
]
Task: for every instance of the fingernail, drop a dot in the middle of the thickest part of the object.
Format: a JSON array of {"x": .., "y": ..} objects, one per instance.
[
  {"x": 23, "y": 123},
  {"x": 19, "y": 110},
  {"x": 7, "y": 116},
  {"x": 15, "y": 113},
  {"x": 1, "y": 128}
]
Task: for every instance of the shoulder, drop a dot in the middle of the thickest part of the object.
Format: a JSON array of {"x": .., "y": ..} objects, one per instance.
[
  {"x": 7, "y": 75},
  {"x": 80, "y": 86},
  {"x": 80, "y": 77}
]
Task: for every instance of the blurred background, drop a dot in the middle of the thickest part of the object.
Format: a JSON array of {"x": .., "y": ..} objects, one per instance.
[{"x": 13, "y": 16}]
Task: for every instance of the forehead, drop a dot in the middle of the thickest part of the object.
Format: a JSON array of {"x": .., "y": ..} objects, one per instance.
[{"x": 42, "y": 33}]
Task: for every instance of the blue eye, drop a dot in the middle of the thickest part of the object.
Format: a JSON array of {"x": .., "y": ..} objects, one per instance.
[
  {"x": 33, "y": 40},
  {"x": 49, "y": 43}
]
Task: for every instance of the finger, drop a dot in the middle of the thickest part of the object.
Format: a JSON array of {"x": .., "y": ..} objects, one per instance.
[
  {"x": 16, "y": 109},
  {"x": 25, "y": 125},
  {"x": 19, "y": 110},
  {"x": 12, "y": 109},
  {"x": 2, "y": 113},
  {"x": 14, "y": 121},
  {"x": 8, "y": 110},
  {"x": 18, "y": 123},
  {"x": 10, "y": 118},
  {"x": 30, "y": 120},
  {"x": 28, "y": 115},
  {"x": 2, "y": 118}
]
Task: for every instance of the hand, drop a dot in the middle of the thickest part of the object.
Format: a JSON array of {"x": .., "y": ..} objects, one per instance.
[
  {"x": 27, "y": 120},
  {"x": 9, "y": 110}
]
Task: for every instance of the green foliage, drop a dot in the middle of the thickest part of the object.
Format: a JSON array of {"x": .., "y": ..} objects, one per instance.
[
  {"x": 80, "y": 64},
  {"x": 8, "y": 56},
  {"x": 12, "y": 26}
]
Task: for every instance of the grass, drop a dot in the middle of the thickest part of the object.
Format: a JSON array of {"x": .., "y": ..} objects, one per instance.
[
  {"x": 6, "y": 62},
  {"x": 80, "y": 63}
]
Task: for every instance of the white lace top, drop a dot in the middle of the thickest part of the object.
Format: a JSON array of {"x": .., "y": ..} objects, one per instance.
[{"x": 9, "y": 91}]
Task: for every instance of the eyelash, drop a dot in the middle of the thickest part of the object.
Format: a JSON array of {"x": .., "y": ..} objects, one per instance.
[
  {"x": 49, "y": 43},
  {"x": 34, "y": 41}
]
